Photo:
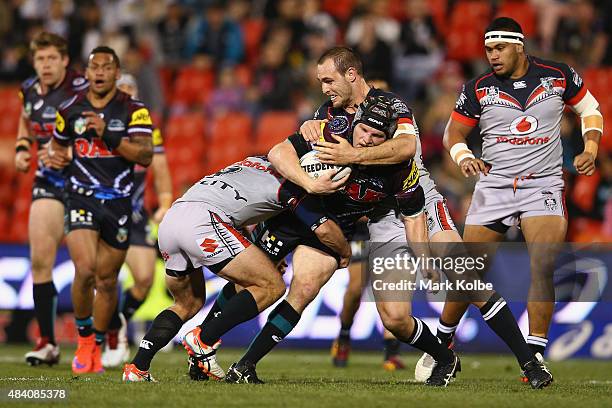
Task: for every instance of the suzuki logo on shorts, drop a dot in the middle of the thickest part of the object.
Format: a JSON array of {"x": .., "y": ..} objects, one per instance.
[
  {"x": 524, "y": 125},
  {"x": 209, "y": 245}
]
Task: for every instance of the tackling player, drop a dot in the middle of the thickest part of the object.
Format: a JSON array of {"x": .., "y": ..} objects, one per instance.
[
  {"x": 201, "y": 229},
  {"x": 339, "y": 71},
  {"x": 142, "y": 253},
  {"x": 109, "y": 132},
  {"x": 313, "y": 264},
  {"x": 518, "y": 106},
  {"x": 41, "y": 95}
]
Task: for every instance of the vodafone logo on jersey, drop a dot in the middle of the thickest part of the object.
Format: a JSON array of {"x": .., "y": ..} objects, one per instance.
[{"x": 524, "y": 125}]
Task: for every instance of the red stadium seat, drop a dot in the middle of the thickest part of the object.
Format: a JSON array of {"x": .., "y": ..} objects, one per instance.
[
  {"x": 274, "y": 127},
  {"x": 244, "y": 74},
  {"x": 340, "y": 9},
  {"x": 231, "y": 138},
  {"x": 465, "y": 44},
  {"x": 471, "y": 13},
  {"x": 166, "y": 76},
  {"x": 192, "y": 86},
  {"x": 465, "y": 34},
  {"x": 190, "y": 125},
  {"x": 252, "y": 31},
  {"x": 522, "y": 12},
  {"x": 10, "y": 106},
  {"x": 438, "y": 9}
]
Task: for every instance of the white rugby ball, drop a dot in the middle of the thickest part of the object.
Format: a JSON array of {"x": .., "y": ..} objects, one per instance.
[{"x": 315, "y": 169}]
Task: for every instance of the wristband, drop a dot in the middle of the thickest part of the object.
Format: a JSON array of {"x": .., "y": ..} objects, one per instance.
[
  {"x": 460, "y": 151},
  {"x": 21, "y": 148}
]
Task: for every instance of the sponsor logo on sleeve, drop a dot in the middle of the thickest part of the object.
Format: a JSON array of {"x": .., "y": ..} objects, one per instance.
[
  {"x": 60, "y": 123},
  {"x": 141, "y": 117}
]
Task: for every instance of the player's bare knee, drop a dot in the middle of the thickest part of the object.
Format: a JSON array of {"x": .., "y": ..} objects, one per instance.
[
  {"x": 144, "y": 284},
  {"x": 305, "y": 291},
  {"x": 106, "y": 283},
  {"x": 42, "y": 268},
  {"x": 400, "y": 326}
]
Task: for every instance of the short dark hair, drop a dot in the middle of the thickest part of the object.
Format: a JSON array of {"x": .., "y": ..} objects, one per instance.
[
  {"x": 344, "y": 58},
  {"x": 46, "y": 39},
  {"x": 103, "y": 49},
  {"x": 504, "y": 24}
]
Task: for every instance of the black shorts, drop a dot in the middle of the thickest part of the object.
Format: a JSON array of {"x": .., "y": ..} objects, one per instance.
[
  {"x": 280, "y": 235},
  {"x": 141, "y": 233},
  {"x": 112, "y": 218},
  {"x": 43, "y": 188}
]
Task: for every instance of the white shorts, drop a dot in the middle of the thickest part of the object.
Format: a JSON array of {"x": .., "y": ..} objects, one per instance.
[
  {"x": 196, "y": 234},
  {"x": 390, "y": 227},
  {"x": 502, "y": 200}
]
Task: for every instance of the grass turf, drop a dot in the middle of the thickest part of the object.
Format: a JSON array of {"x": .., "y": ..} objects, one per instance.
[{"x": 304, "y": 378}]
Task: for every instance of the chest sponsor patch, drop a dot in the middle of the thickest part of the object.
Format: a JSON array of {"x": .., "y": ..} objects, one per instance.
[{"x": 524, "y": 125}]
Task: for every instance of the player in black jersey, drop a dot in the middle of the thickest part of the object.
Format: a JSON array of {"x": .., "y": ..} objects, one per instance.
[
  {"x": 313, "y": 264},
  {"x": 41, "y": 95},
  {"x": 142, "y": 254},
  {"x": 109, "y": 132}
]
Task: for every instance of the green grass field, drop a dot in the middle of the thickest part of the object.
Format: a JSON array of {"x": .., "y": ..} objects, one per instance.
[{"x": 298, "y": 378}]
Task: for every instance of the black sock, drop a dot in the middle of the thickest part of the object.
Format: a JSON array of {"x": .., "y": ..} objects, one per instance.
[
  {"x": 84, "y": 326},
  {"x": 423, "y": 339},
  {"x": 446, "y": 332},
  {"x": 498, "y": 316},
  {"x": 100, "y": 336},
  {"x": 130, "y": 304},
  {"x": 115, "y": 322},
  {"x": 45, "y": 308},
  {"x": 537, "y": 344},
  {"x": 240, "y": 308},
  {"x": 345, "y": 332},
  {"x": 392, "y": 347},
  {"x": 280, "y": 323},
  {"x": 226, "y": 293},
  {"x": 165, "y": 326}
]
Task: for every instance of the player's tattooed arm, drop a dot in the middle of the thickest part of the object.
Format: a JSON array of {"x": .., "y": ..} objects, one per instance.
[{"x": 137, "y": 149}]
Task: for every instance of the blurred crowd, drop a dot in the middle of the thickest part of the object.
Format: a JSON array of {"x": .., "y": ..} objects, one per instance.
[{"x": 211, "y": 58}]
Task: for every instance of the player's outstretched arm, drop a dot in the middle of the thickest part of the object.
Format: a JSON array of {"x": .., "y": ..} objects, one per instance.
[
  {"x": 163, "y": 185},
  {"x": 285, "y": 160},
  {"x": 138, "y": 149},
  {"x": 455, "y": 136}
]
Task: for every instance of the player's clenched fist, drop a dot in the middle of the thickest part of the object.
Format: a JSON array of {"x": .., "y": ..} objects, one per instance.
[
  {"x": 471, "y": 167},
  {"x": 585, "y": 163},
  {"x": 22, "y": 161},
  {"x": 311, "y": 130}
]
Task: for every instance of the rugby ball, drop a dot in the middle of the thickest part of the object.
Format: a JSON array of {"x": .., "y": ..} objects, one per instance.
[{"x": 315, "y": 169}]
